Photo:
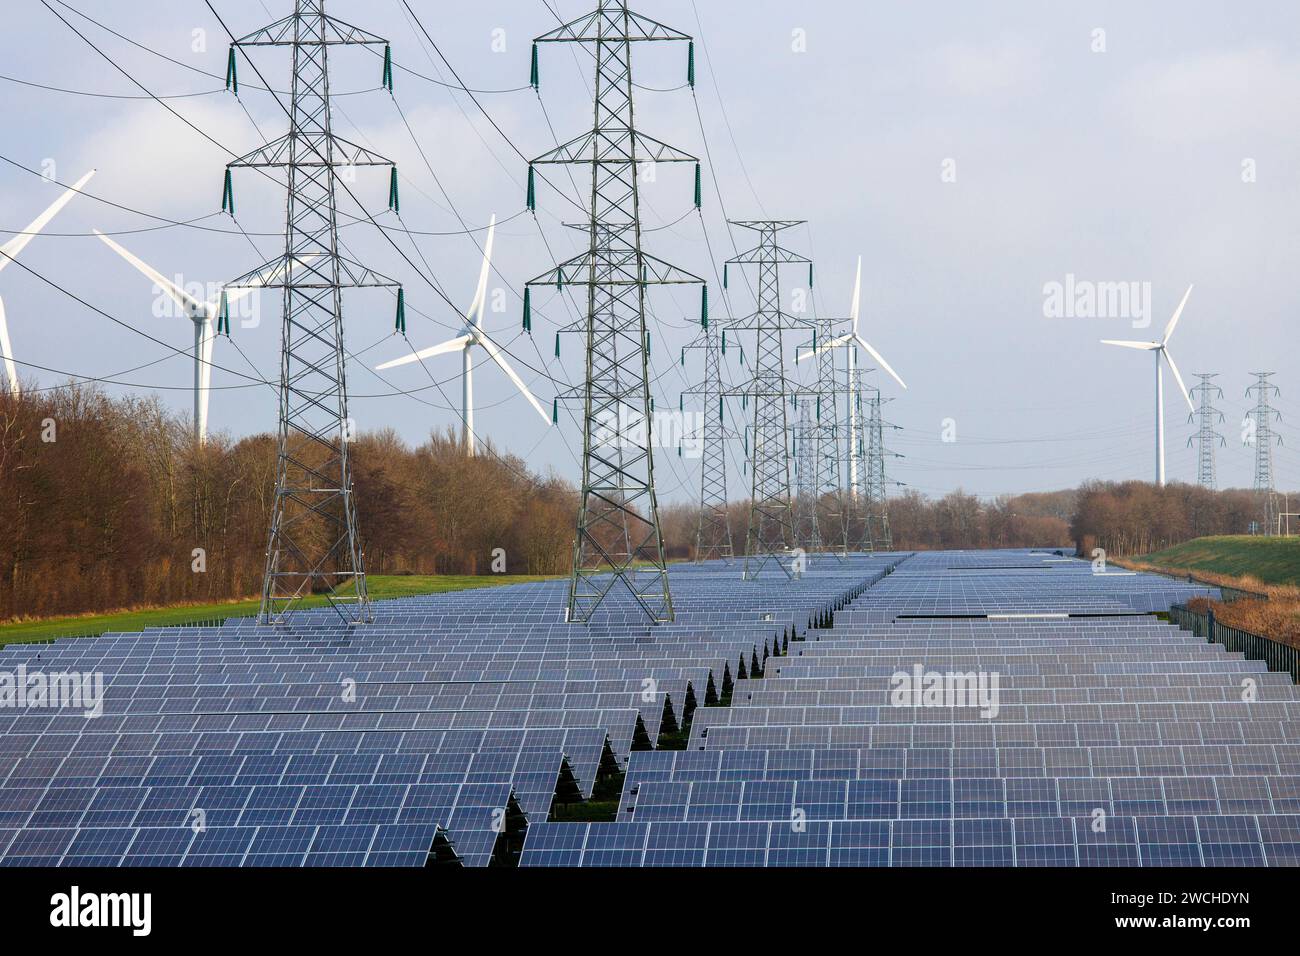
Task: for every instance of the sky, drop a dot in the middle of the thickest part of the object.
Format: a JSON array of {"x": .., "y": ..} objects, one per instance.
[{"x": 978, "y": 158}]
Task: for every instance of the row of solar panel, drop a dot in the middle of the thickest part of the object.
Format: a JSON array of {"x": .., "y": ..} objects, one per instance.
[
  {"x": 969, "y": 797},
  {"x": 1007, "y": 763},
  {"x": 754, "y": 693},
  {"x": 381, "y": 845},
  {"x": 984, "y": 733},
  {"x": 1042, "y": 841}
]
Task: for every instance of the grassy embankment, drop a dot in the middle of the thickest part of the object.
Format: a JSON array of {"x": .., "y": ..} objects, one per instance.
[
  {"x": 1267, "y": 565},
  {"x": 381, "y": 586}
]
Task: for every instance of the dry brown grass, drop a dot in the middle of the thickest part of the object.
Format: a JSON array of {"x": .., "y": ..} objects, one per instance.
[{"x": 1277, "y": 618}]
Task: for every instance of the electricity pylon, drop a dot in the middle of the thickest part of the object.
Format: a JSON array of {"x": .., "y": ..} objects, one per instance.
[
  {"x": 874, "y": 496},
  {"x": 1264, "y": 415},
  {"x": 314, "y": 546},
  {"x": 618, "y": 540},
  {"x": 1206, "y": 438},
  {"x": 807, "y": 533},
  {"x": 832, "y": 516},
  {"x": 713, "y": 533},
  {"x": 771, "y": 527}
]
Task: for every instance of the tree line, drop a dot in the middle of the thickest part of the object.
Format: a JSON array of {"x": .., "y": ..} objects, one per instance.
[
  {"x": 107, "y": 503},
  {"x": 1136, "y": 517}
]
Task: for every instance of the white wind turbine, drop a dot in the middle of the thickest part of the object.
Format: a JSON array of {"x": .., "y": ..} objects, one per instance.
[
  {"x": 472, "y": 334},
  {"x": 850, "y": 342},
  {"x": 1161, "y": 348},
  {"x": 204, "y": 316},
  {"x": 10, "y": 250}
]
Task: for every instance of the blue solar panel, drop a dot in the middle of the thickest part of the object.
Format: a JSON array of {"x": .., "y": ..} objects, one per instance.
[{"x": 411, "y": 739}]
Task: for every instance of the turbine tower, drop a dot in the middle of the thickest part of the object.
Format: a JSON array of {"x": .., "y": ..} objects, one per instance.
[
  {"x": 1206, "y": 438},
  {"x": 314, "y": 546},
  {"x": 204, "y": 316},
  {"x": 1263, "y": 415},
  {"x": 10, "y": 251},
  {"x": 1161, "y": 350},
  {"x": 619, "y": 542},
  {"x": 471, "y": 335}
]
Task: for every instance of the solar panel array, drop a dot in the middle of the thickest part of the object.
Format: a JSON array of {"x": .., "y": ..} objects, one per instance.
[
  {"x": 477, "y": 727},
  {"x": 1115, "y": 739},
  {"x": 437, "y": 733}
]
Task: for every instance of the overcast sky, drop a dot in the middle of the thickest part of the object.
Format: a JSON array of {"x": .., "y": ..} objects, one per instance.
[{"x": 972, "y": 154}]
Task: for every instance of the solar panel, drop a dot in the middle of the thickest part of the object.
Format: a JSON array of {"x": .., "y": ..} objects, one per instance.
[{"x": 410, "y": 739}]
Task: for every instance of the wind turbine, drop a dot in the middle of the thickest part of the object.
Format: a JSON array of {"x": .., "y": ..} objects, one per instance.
[
  {"x": 850, "y": 341},
  {"x": 1161, "y": 348},
  {"x": 203, "y": 315},
  {"x": 10, "y": 250},
  {"x": 471, "y": 335}
]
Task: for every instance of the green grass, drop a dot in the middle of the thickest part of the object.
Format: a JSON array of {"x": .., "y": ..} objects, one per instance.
[
  {"x": 1268, "y": 560},
  {"x": 381, "y": 586}
]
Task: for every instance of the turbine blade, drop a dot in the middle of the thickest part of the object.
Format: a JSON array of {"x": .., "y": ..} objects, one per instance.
[
  {"x": 1141, "y": 346},
  {"x": 452, "y": 345},
  {"x": 1178, "y": 314},
  {"x": 857, "y": 297},
  {"x": 1181, "y": 387},
  {"x": 880, "y": 359},
  {"x": 475, "y": 313},
  {"x": 177, "y": 294},
  {"x": 495, "y": 354},
  {"x": 11, "y": 368},
  {"x": 19, "y": 242}
]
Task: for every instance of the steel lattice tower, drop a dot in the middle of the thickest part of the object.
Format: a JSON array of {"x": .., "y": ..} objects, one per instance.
[
  {"x": 314, "y": 546},
  {"x": 713, "y": 533},
  {"x": 1206, "y": 438},
  {"x": 858, "y": 512},
  {"x": 807, "y": 533},
  {"x": 833, "y": 516},
  {"x": 618, "y": 538},
  {"x": 771, "y": 526},
  {"x": 1264, "y": 415},
  {"x": 876, "y": 500}
]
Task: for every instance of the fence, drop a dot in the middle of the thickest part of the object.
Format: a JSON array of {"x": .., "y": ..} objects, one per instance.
[{"x": 1278, "y": 656}]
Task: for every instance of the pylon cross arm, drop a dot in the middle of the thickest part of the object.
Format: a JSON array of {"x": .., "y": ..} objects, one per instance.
[
  {"x": 767, "y": 255},
  {"x": 598, "y": 147},
  {"x": 626, "y": 27},
  {"x": 334, "y": 31},
  {"x": 279, "y": 274},
  {"x": 577, "y": 271},
  {"x": 278, "y": 153}
]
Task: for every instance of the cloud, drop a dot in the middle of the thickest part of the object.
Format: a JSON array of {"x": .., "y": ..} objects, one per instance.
[{"x": 150, "y": 160}]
